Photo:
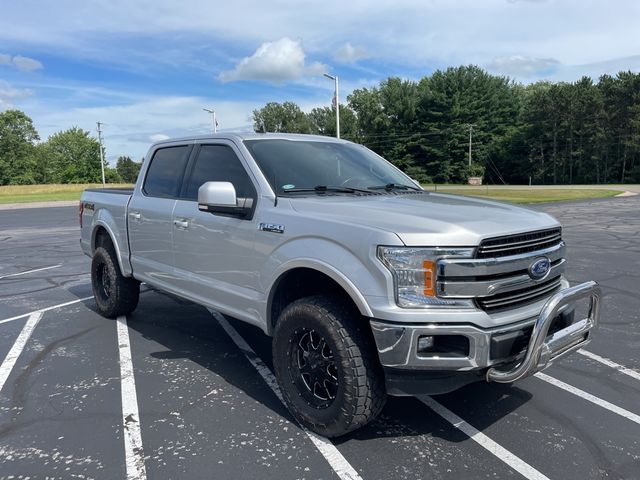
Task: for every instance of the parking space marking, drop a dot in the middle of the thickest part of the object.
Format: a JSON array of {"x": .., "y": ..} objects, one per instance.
[
  {"x": 485, "y": 442},
  {"x": 29, "y": 271},
  {"x": 10, "y": 360},
  {"x": 590, "y": 398},
  {"x": 336, "y": 460},
  {"x": 46, "y": 309},
  {"x": 134, "y": 452},
  {"x": 610, "y": 363}
]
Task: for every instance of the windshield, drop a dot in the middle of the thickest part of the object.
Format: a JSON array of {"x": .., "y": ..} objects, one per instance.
[{"x": 291, "y": 165}]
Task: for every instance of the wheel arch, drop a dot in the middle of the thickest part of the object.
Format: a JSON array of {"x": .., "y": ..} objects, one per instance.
[
  {"x": 99, "y": 237},
  {"x": 305, "y": 278}
]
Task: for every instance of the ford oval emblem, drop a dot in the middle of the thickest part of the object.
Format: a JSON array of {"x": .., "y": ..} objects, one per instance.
[{"x": 540, "y": 268}]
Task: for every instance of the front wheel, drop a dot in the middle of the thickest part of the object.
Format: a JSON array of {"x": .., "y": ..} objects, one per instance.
[
  {"x": 114, "y": 294},
  {"x": 327, "y": 366}
]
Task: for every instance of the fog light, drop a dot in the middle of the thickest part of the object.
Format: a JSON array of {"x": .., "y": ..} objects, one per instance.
[{"x": 425, "y": 344}]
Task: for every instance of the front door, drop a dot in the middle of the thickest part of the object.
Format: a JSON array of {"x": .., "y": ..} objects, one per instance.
[{"x": 214, "y": 253}]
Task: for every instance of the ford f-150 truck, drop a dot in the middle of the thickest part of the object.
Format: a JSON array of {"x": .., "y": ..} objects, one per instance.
[{"x": 367, "y": 284}]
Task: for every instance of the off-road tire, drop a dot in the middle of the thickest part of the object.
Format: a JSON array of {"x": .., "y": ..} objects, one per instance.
[
  {"x": 120, "y": 296},
  {"x": 360, "y": 394}
]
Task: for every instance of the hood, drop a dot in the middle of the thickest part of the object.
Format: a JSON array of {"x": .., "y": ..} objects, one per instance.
[{"x": 427, "y": 219}]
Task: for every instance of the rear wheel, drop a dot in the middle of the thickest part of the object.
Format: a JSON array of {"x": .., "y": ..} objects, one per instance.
[
  {"x": 327, "y": 366},
  {"x": 114, "y": 294}
]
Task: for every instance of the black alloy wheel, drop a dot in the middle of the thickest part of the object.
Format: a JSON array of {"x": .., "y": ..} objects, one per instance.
[{"x": 313, "y": 359}]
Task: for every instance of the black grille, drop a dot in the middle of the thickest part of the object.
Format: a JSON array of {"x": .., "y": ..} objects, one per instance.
[
  {"x": 520, "y": 243},
  {"x": 517, "y": 298}
]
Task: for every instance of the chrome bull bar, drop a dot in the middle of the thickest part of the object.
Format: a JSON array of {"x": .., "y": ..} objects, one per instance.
[{"x": 542, "y": 351}]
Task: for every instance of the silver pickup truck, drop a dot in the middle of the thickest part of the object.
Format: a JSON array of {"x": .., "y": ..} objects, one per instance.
[{"x": 368, "y": 284}]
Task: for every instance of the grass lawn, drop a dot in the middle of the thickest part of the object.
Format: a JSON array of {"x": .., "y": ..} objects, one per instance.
[
  {"x": 526, "y": 195},
  {"x": 47, "y": 193}
]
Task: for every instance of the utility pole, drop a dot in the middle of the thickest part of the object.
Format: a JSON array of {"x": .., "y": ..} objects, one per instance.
[
  {"x": 337, "y": 99},
  {"x": 215, "y": 122},
  {"x": 101, "y": 151},
  {"x": 470, "y": 127}
]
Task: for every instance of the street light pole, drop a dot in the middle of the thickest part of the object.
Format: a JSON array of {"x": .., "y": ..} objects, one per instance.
[
  {"x": 101, "y": 152},
  {"x": 335, "y": 80},
  {"x": 215, "y": 124}
]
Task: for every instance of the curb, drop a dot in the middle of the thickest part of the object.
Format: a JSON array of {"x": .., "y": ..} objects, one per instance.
[{"x": 16, "y": 206}]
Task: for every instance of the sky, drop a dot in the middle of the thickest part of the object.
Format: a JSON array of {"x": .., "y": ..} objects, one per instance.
[{"x": 147, "y": 68}]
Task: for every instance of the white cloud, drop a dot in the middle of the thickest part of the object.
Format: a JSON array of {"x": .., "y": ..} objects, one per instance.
[
  {"x": 523, "y": 66},
  {"x": 277, "y": 62},
  {"x": 402, "y": 33},
  {"x": 24, "y": 64},
  {"x": 9, "y": 94},
  {"x": 158, "y": 137},
  {"x": 350, "y": 54}
]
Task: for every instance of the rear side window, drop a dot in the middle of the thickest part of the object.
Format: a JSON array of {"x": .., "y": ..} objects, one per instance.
[
  {"x": 218, "y": 163},
  {"x": 165, "y": 172}
]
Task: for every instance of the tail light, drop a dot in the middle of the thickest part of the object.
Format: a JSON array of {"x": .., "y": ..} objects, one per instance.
[{"x": 80, "y": 212}]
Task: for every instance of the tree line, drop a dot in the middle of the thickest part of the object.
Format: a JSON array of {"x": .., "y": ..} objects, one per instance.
[
  {"x": 551, "y": 133},
  {"x": 69, "y": 156}
]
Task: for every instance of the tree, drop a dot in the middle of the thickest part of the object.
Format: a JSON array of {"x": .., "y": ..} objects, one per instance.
[
  {"x": 579, "y": 132},
  {"x": 323, "y": 122},
  {"x": 284, "y": 117},
  {"x": 75, "y": 157},
  {"x": 17, "y": 147},
  {"x": 127, "y": 169}
]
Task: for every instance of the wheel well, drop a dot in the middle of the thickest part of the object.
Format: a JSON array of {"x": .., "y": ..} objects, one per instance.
[
  {"x": 299, "y": 283},
  {"x": 102, "y": 239}
]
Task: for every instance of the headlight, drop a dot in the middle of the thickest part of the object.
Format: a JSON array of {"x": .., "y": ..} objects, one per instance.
[{"x": 415, "y": 273}]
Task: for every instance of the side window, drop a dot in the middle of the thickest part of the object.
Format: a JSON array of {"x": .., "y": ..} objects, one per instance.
[
  {"x": 218, "y": 163},
  {"x": 165, "y": 172}
]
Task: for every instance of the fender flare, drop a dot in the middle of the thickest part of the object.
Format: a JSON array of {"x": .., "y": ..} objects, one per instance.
[
  {"x": 330, "y": 271},
  {"x": 126, "y": 272}
]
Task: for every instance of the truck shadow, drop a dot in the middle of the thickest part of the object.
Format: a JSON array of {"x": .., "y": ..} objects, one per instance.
[{"x": 188, "y": 331}]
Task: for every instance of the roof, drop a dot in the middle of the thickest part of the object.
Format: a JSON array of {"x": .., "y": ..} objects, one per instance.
[{"x": 253, "y": 136}]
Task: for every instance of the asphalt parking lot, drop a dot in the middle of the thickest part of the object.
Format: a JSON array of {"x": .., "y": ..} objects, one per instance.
[{"x": 179, "y": 393}]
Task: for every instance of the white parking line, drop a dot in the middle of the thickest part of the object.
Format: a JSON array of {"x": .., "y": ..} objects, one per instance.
[
  {"x": 590, "y": 398},
  {"x": 336, "y": 460},
  {"x": 10, "y": 360},
  {"x": 610, "y": 363},
  {"x": 485, "y": 442},
  {"x": 46, "y": 309},
  {"x": 134, "y": 453},
  {"x": 29, "y": 271}
]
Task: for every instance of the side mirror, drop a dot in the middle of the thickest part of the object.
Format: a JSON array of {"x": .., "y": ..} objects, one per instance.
[{"x": 220, "y": 197}]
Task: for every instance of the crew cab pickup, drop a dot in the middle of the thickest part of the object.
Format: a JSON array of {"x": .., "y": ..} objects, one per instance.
[{"x": 368, "y": 284}]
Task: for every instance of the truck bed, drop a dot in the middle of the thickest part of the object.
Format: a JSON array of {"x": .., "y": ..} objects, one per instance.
[{"x": 107, "y": 207}]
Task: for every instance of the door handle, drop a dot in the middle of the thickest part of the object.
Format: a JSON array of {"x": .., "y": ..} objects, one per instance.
[
  {"x": 182, "y": 224},
  {"x": 135, "y": 215}
]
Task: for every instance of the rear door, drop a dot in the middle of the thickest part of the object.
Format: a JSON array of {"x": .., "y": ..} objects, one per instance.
[
  {"x": 150, "y": 216},
  {"x": 214, "y": 253}
]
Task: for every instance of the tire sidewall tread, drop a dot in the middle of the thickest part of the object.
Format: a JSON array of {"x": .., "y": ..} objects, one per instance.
[
  {"x": 125, "y": 290},
  {"x": 361, "y": 394}
]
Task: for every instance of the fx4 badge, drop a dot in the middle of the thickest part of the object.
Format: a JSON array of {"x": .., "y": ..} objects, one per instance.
[{"x": 271, "y": 227}]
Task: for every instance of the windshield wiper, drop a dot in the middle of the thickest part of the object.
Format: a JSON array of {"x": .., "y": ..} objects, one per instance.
[
  {"x": 394, "y": 186},
  {"x": 327, "y": 188}
]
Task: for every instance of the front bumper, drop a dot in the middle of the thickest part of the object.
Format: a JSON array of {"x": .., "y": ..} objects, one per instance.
[{"x": 475, "y": 349}]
